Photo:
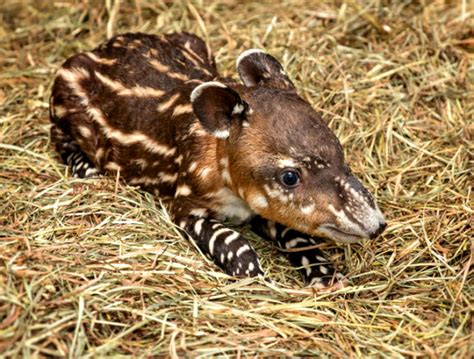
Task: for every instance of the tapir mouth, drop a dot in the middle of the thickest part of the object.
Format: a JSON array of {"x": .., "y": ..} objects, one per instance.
[{"x": 336, "y": 234}]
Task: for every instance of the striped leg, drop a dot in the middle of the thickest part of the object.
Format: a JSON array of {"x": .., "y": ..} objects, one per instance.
[
  {"x": 316, "y": 270},
  {"x": 227, "y": 248},
  {"x": 72, "y": 155}
]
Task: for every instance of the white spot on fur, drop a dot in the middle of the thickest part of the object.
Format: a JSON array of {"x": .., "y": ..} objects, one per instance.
[
  {"x": 166, "y": 105},
  {"x": 230, "y": 254},
  {"x": 222, "y": 134},
  {"x": 238, "y": 109},
  {"x": 183, "y": 191},
  {"x": 198, "y": 226},
  {"x": 305, "y": 263},
  {"x": 166, "y": 71},
  {"x": 91, "y": 172},
  {"x": 192, "y": 166},
  {"x": 287, "y": 162},
  {"x": 272, "y": 228},
  {"x": 59, "y": 111},
  {"x": 84, "y": 131},
  {"x": 204, "y": 172},
  {"x": 121, "y": 90},
  {"x": 182, "y": 109},
  {"x": 198, "y": 212},
  {"x": 231, "y": 238},
  {"x": 294, "y": 242},
  {"x": 229, "y": 206},
  {"x": 100, "y": 60},
  {"x": 113, "y": 166},
  {"x": 323, "y": 269},
  {"x": 99, "y": 154},
  {"x": 242, "y": 249},
  {"x": 307, "y": 209},
  {"x": 214, "y": 236}
]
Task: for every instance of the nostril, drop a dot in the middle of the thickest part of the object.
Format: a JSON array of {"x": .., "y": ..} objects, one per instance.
[{"x": 379, "y": 230}]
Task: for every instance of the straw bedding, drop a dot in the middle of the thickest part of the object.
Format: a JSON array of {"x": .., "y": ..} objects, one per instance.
[{"x": 95, "y": 268}]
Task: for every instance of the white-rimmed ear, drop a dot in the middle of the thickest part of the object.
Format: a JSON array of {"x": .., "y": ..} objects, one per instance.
[
  {"x": 256, "y": 67},
  {"x": 216, "y": 105}
]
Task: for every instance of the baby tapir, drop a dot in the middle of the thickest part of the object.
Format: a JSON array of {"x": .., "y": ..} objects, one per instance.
[{"x": 155, "y": 110}]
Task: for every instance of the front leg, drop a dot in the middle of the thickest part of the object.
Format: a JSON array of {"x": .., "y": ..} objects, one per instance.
[
  {"x": 316, "y": 270},
  {"x": 226, "y": 247}
]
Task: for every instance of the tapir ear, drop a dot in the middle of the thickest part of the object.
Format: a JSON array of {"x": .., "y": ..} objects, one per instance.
[
  {"x": 256, "y": 67},
  {"x": 216, "y": 105}
]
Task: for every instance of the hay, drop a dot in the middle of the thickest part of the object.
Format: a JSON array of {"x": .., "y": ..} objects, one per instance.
[{"x": 94, "y": 268}]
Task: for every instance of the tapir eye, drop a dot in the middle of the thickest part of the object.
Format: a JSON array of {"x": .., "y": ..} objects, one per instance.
[{"x": 290, "y": 178}]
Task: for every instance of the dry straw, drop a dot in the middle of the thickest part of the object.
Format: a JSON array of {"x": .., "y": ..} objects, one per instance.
[{"x": 94, "y": 268}]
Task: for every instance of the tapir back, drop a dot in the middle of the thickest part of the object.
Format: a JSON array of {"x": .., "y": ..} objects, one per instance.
[{"x": 123, "y": 101}]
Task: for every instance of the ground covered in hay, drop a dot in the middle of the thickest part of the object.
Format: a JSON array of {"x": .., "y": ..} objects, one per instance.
[{"x": 94, "y": 267}]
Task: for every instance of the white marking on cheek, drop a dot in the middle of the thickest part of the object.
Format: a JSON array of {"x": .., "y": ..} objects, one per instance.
[
  {"x": 272, "y": 193},
  {"x": 258, "y": 201},
  {"x": 251, "y": 266},
  {"x": 307, "y": 209},
  {"x": 230, "y": 255}
]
